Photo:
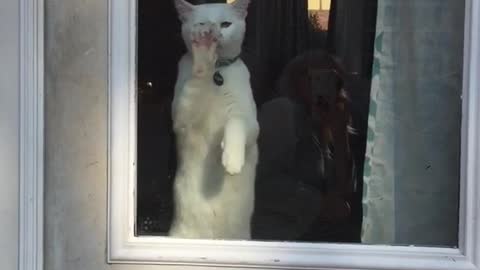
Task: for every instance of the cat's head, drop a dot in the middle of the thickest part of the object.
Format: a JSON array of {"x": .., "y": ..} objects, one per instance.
[{"x": 230, "y": 18}]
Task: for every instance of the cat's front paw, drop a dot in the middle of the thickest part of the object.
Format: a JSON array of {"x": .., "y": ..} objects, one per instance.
[
  {"x": 205, "y": 35},
  {"x": 233, "y": 159},
  {"x": 204, "y": 48}
]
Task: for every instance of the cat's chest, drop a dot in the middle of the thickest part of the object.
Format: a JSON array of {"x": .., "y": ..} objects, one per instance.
[{"x": 203, "y": 111}]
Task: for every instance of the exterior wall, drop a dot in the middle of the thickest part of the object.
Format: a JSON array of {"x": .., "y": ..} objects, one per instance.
[{"x": 9, "y": 132}]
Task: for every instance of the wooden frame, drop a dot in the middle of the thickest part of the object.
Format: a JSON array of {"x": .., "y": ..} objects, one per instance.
[
  {"x": 125, "y": 247},
  {"x": 31, "y": 134}
]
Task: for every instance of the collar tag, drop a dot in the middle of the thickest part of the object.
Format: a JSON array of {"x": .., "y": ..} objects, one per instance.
[{"x": 218, "y": 78}]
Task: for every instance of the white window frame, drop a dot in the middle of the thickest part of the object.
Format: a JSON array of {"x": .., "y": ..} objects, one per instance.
[
  {"x": 125, "y": 247},
  {"x": 31, "y": 95}
]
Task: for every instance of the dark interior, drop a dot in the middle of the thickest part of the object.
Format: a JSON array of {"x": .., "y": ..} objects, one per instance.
[{"x": 292, "y": 201}]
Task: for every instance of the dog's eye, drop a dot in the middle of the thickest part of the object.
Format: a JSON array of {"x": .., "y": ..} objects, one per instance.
[{"x": 226, "y": 24}]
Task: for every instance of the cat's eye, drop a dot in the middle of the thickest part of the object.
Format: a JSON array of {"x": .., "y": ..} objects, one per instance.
[{"x": 225, "y": 24}]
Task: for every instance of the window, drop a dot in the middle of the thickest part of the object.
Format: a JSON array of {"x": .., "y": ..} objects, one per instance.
[{"x": 392, "y": 184}]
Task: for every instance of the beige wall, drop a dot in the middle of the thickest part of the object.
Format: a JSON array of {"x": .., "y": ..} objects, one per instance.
[{"x": 9, "y": 133}]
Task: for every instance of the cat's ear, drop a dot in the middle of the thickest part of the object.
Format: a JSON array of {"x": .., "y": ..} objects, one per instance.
[
  {"x": 241, "y": 6},
  {"x": 184, "y": 9}
]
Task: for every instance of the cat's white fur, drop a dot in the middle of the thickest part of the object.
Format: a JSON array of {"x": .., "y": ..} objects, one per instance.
[{"x": 216, "y": 129}]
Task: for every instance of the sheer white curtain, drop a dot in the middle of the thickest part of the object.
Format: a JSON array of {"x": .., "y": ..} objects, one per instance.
[{"x": 413, "y": 151}]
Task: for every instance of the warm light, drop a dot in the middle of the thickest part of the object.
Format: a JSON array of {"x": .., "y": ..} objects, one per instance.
[
  {"x": 230, "y": 1},
  {"x": 313, "y": 4},
  {"x": 326, "y": 4},
  {"x": 319, "y": 5}
]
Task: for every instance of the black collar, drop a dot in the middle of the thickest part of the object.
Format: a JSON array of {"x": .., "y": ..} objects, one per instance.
[{"x": 226, "y": 62}]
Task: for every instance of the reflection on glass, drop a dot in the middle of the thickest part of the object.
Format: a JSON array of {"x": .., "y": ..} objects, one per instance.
[
  {"x": 359, "y": 110},
  {"x": 319, "y": 12}
]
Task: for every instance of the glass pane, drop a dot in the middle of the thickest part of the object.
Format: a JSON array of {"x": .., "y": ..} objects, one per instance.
[{"x": 358, "y": 105}]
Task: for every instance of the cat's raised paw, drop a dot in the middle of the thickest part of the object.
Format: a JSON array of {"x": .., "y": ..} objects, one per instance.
[
  {"x": 204, "y": 45},
  {"x": 205, "y": 35}
]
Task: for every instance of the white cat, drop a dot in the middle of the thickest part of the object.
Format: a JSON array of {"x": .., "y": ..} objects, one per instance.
[{"x": 215, "y": 122}]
